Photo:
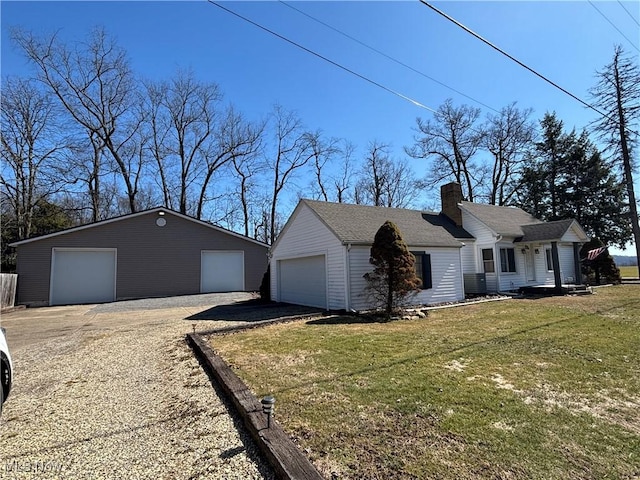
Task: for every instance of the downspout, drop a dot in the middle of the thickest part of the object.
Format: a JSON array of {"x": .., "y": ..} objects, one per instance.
[
  {"x": 497, "y": 265},
  {"x": 347, "y": 290},
  {"x": 272, "y": 274}
]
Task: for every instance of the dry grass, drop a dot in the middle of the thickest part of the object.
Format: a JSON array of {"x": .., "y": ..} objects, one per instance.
[
  {"x": 546, "y": 388},
  {"x": 629, "y": 271}
]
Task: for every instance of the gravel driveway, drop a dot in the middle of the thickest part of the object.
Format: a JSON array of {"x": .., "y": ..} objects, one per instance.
[{"x": 113, "y": 391}]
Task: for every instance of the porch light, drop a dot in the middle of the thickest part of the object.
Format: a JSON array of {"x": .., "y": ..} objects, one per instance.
[
  {"x": 524, "y": 250},
  {"x": 267, "y": 408}
]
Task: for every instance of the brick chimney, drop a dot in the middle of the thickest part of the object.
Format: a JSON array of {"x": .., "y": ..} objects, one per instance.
[{"x": 451, "y": 196}]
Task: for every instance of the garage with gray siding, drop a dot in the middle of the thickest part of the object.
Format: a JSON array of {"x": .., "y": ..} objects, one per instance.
[{"x": 155, "y": 253}]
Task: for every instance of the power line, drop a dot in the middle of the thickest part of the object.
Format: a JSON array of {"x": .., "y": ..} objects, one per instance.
[
  {"x": 629, "y": 13},
  {"x": 373, "y": 82},
  {"x": 613, "y": 25},
  {"x": 487, "y": 42},
  {"x": 386, "y": 56}
]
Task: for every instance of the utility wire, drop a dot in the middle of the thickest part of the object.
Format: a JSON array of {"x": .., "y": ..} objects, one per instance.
[
  {"x": 613, "y": 25},
  {"x": 373, "y": 82},
  {"x": 479, "y": 37},
  {"x": 386, "y": 56},
  {"x": 629, "y": 13}
]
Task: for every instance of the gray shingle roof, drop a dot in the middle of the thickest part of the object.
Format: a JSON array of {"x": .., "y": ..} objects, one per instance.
[
  {"x": 546, "y": 231},
  {"x": 507, "y": 221},
  {"x": 358, "y": 224}
]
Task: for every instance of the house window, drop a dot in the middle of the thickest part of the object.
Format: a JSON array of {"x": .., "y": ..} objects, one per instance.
[
  {"x": 507, "y": 260},
  {"x": 487, "y": 260},
  {"x": 423, "y": 269},
  {"x": 549, "y": 259}
]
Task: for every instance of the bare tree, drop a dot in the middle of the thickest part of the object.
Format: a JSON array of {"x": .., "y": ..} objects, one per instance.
[
  {"x": 385, "y": 182},
  {"x": 617, "y": 93},
  {"x": 233, "y": 138},
  {"x": 509, "y": 137},
  {"x": 159, "y": 129},
  {"x": 182, "y": 115},
  {"x": 95, "y": 84},
  {"x": 342, "y": 180},
  {"x": 451, "y": 139},
  {"x": 292, "y": 150},
  {"x": 324, "y": 153},
  {"x": 33, "y": 147},
  {"x": 191, "y": 137},
  {"x": 247, "y": 167}
]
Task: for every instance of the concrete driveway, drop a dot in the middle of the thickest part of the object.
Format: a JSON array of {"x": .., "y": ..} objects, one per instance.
[{"x": 113, "y": 391}]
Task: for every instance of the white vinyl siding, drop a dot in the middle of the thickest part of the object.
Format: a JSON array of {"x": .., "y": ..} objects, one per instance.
[
  {"x": 567, "y": 267},
  {"x": 482, "y": 234},
  {"x": 221, "y": 271},
  {"x": 571, "y": 236},
  {"x": 304, "y": 236},
  {"x": 446, "y": 275},
  {"x": 80, "y": 276},
  {"x": 468, "y": 256}
]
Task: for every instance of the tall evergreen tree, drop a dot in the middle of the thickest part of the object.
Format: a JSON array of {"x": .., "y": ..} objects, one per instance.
[
  {"x": 568, "y": 178},
  {"x": 591, "y": 193},
  {"x": 393, "y": 278}
]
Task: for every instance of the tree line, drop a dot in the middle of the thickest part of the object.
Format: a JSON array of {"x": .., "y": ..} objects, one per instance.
[{"x": 87, "y": 139}]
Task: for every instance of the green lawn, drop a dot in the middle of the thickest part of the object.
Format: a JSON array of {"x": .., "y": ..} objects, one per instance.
[
  {"x": 518, "y": 389},
  {"x": 629, "y": 271}
]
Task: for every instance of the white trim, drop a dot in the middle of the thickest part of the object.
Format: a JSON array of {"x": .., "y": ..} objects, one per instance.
[
  {"x": 310, "y": 253},
  {"x": 133, "y": 215}
]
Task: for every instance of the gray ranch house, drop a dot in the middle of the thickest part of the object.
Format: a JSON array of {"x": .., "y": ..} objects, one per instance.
[
  {"x": 154, "y": 253},
  {"x": 322, "y": 253}
]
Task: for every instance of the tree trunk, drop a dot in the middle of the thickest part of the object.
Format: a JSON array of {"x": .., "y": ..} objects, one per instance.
[{"x": 626, "y": 159}]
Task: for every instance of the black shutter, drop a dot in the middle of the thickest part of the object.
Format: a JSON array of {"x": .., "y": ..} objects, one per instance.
[{"x": 426, "y": 271}]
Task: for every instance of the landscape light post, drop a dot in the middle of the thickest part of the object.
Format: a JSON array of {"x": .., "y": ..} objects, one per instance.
[{"x": 267, "y": 408}]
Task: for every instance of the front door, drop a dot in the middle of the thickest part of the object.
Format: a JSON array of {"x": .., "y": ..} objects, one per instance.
[{"x": 530, "y": 265}]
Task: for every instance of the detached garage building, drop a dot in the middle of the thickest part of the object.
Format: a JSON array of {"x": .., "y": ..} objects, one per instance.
[{"x": 154, "y": 253}]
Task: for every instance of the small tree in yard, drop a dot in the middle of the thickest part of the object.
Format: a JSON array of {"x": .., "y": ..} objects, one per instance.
[
  {"x": 393, "y": 278},
  {"x": 265, "y": 286}
]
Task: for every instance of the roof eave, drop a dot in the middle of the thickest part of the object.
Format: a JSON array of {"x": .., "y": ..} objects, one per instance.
[{"x": 133, "y": 215}]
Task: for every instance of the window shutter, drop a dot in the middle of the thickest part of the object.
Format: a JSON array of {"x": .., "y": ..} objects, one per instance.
[{"x": 426, "y": 271}]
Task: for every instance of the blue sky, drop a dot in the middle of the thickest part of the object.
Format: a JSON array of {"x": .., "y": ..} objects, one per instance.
[{"x": 565, "y": 41}]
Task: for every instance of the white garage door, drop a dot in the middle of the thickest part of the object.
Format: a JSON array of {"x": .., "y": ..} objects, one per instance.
[
  {"x": 82, "y": 276},
  {"x": 303, "y": 281},
  {"x": 221, "y": 271}
]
